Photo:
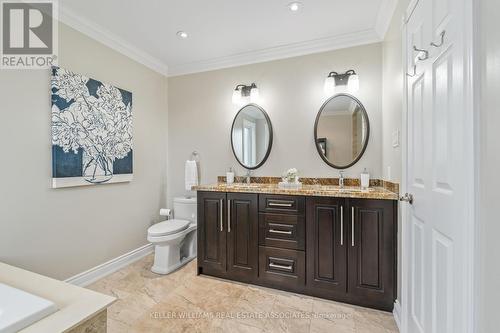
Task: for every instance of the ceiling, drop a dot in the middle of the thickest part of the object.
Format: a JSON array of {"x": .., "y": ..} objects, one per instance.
[{"x": 225, "y": 33}]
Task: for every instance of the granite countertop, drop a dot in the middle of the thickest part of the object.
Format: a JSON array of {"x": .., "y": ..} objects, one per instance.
[
  {"x": 75, "y": 304},
  {"x": 373, "y": 192}
]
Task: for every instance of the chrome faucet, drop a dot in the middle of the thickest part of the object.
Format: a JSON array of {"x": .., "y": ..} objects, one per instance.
[
  {"x": 341, "y": 179},
  {"x": 248, "y": 176}
]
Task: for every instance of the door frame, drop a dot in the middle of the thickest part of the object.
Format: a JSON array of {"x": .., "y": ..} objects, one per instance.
[{"x": 471, "y": 96}]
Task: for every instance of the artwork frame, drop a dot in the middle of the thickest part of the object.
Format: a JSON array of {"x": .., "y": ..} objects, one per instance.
[{"x": 92, "y": 132}]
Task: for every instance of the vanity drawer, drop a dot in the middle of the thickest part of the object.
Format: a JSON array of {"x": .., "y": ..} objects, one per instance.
[
  {"x": 288, "y": 204},
  {"x": 282, "y": 230},
  {"x": 282, "y": 268}
]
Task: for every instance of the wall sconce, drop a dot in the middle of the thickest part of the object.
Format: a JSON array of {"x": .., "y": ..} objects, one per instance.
[
  {"x": 349, "y": 78},
  {"x": 242, "y": 92}
]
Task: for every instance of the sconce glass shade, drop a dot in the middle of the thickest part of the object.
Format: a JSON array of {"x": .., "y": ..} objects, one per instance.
[
  {"x": 353, "y": 83},
  {"x": 236, "y": 96},
  {"x": 329, "y": 87},
  {"x": 254, "y": 95}
]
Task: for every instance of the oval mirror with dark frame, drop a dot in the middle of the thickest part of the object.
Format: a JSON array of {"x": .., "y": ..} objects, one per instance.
[
  {"x": 251, "y": 136},
  {"x": 341, "y": 131}
]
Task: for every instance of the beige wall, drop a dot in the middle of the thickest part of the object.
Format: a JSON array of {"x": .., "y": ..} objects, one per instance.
[
  {"x": 61, "y": 232},
  {"x": 392, "y": 107},
  {"x": 488, "y": 284},
  {"x": 201, "y": 113},
  {"x": 393, "y": 92}
]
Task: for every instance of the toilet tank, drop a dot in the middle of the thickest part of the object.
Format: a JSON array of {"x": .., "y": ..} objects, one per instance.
[{"x": 185, "y": 208}]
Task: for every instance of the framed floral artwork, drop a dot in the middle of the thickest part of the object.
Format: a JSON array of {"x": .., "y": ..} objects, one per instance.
[{"x": 91, "y": 131}]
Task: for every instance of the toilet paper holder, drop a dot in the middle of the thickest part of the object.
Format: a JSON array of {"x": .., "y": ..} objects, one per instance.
[{"x": 165, "y": 212}]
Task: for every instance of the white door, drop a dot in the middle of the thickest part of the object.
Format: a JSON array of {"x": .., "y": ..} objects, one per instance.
[{"x": 438, "y": 175}]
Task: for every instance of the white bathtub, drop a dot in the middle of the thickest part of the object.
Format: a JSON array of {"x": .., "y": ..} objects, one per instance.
[{"x": 19, "y": 309}]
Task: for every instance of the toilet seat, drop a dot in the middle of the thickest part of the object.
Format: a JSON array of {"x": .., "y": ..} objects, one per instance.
[{"x": 168, "y": 227}]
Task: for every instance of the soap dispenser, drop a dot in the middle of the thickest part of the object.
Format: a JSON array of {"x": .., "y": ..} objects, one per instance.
[
  {"x": 230, "y": 176},
  {"x": 365, "y": 179}
]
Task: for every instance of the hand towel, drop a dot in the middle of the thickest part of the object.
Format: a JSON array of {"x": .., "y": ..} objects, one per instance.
[{"x": 191, "y": 174}]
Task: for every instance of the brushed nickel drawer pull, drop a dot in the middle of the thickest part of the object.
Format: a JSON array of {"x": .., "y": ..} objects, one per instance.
[
  {"x": 352, "y": 227},
  {"x": 287, "y": 267},
  {"x": 229, "y": 216},
  {"x": 279, "y": 204},
  {"x": 221, "y": 215},
  {"x": 341, "y": 225},
  {"x": 280, "y": 232}
]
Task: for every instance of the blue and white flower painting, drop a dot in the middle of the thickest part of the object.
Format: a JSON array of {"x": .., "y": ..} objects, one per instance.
[{"x": 91, "y": 131}]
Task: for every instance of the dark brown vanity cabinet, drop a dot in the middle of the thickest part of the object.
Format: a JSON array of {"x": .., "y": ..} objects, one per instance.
[
  {"x": 337, "y": 248},
  {"x": 212, "y": 232},
  {"x": 372, "y": 252},
  {"x": 282, "y": 260},
  {"x": 327, "y": 247},
  {"x": 242, "y": 236},
  {"x": 351, "y": 250},
  {"x": 228, "y": 235}
]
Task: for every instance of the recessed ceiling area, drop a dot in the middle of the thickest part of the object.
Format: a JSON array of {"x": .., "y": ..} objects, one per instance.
[{"x": 225, "y": 33}]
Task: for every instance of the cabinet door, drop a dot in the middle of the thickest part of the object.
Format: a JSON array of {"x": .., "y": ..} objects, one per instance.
[
  {"x": 212, "y": 232},
  {"x": 242, "y": 236},
  {"x": 326, "y": 246},
  {"x": 371, "y": 254}
]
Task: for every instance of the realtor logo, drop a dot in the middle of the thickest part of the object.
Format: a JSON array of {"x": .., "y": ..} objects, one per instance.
[{"x": 29, "y": 34}]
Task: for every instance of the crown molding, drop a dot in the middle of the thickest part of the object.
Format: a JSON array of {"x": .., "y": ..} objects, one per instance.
[
  {"x": 280, "y": 52},
  {"x": 384, "y": 17},
  {"x": 109, "y": 39},
  {"x": 118, "y": 44}
]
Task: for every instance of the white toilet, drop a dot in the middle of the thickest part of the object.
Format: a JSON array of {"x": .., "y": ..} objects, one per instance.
[{"x": 175, "y": 239}]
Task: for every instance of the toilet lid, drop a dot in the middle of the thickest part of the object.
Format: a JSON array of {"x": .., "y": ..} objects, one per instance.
[{"x": 168, "y": 227}]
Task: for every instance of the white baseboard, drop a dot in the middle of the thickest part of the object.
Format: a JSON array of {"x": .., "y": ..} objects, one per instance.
[
  {"x": 88, "y": 277},
  {"x": 397, "y": 314}
]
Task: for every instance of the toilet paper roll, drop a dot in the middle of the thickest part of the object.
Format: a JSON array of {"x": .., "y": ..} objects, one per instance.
[{"x": 164, "y": 212}]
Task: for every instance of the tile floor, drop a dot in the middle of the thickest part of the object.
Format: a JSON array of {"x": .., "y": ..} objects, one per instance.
[{"x": 184, "y": 302}]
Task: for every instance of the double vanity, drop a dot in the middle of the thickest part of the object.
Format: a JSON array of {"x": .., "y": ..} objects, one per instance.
[
  {"x": 314, "y": 236},
  {"x": 320, "y": 240}
]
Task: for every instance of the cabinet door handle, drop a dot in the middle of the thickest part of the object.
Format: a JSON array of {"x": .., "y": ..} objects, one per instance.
[
  {"x": 280, "y": 204},
  {"x": 341, "y": 225},
  {"x": 352, "y": 227},
  {"x": 287, "y": 267},
  {"x": 221, "y": 222},
  {"x": 229, "y": 216},
  {"x": 274, "y": 231}
]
